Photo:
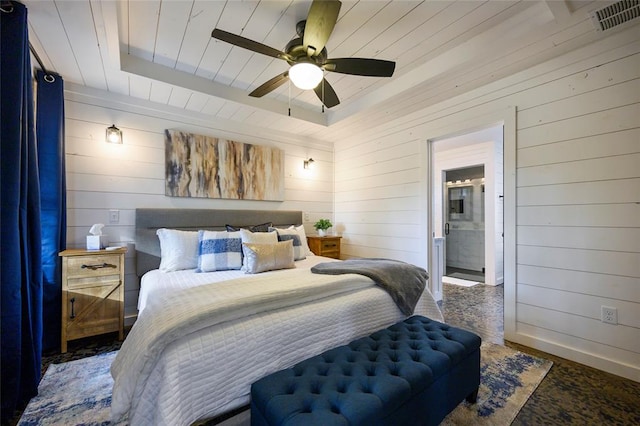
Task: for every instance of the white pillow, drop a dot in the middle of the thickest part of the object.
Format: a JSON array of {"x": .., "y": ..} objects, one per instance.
[
  {"x": 303, "y": 237},
  {"x": 293, "y": 234},
  {"x": 219, "y": 251},
  {"x": 257, "y": 238},
  {"x": 178, "y": 249},
  {"x": 268, "y": 257}
]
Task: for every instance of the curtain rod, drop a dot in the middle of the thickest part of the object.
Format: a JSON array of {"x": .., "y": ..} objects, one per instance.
[{"x": 48, "y": 77}]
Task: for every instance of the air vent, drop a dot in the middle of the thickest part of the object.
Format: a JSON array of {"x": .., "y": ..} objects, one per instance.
[{"x": 616, "y": 14}]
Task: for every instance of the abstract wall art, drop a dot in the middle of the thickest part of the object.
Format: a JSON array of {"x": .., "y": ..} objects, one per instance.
[{"x": 209, "y": 167}]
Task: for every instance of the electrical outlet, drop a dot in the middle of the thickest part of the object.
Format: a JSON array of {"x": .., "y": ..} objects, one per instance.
[
  {"x": 306, "y": 216},
  {"x": 609, "y": 315},
  {"x": 114, "y": 216}
]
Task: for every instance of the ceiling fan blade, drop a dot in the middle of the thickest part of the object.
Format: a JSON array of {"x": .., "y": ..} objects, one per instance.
[
  {"x": 361, "y": 66},
  {"x": 246, "y": 43},
  {"x": 326, "y": 94},
  {"x": 321, "y": 19},
  {"x": 270, "y": 85}
]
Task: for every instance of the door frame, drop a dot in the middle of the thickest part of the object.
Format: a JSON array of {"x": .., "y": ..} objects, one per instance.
[{"x": 507, "y": 119}]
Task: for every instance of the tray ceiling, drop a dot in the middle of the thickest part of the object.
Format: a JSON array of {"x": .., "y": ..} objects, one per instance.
[{"x": 162, "y": 51}]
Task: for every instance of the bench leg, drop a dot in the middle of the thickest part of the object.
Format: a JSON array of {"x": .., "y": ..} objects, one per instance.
[{"x": 472, "y": 397}]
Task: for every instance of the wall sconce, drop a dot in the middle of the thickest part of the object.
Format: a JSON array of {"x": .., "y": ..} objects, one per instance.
[
  {"x": 308, "y": 163},
  {"x": 114, "y": 135}
]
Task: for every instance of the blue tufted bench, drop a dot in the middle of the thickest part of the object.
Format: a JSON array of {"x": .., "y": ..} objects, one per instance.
[{"x": 412, "y": 373}]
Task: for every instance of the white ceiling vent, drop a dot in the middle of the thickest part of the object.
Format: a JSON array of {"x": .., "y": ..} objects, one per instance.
[{"x": 615, "y": 14}]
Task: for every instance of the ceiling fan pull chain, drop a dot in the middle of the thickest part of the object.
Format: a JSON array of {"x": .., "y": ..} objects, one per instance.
[
  {"x": 289, "y": 97},
  {"x": 323, "y": 91}
]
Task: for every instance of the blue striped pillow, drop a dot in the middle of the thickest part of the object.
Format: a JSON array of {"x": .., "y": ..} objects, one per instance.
[
  {"x": 292, "y": 234},
  {"x": 219, "y": 251}
]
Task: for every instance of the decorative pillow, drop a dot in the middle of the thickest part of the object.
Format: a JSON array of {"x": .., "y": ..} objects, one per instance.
[
  {"x": 292, "y": 234},
  {"x": 178, "y": 249},
  {"x": 263, "y": 227},
  {"x": 305, "y": 244},
  {"x": 219, "y": 251},
  {"x": 268, "y": 257},
  {"x": 257, "y": 238}
]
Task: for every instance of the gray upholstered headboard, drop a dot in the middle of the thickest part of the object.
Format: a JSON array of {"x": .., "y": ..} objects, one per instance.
[{"x": 149, "y": 220}]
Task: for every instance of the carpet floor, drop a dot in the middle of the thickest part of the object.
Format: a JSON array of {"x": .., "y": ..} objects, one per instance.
[{"x": 79, "y": 392}]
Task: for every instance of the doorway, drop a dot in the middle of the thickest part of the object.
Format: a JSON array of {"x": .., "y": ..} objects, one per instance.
[
  {"x": 472, "y": 150},
  {"x": 464, "y": 225}
]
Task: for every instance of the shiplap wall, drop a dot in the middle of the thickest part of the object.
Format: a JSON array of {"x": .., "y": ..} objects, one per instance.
[
  {"x": 102, "y": 176},
  {"x": 577, "y": 187}
]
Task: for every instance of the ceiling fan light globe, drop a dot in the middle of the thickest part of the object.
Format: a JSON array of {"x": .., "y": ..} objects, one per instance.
[{"x": 305, "y": 76}]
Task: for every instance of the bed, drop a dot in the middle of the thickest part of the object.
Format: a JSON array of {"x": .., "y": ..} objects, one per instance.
[{"x": 197, "y": 347}]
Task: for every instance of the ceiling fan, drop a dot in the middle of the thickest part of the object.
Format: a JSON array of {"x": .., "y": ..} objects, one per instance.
[{"x": 308, "y": 55}]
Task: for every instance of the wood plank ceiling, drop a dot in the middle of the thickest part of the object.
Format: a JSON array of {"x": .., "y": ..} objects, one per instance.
[{"x": 162, "y": 51}]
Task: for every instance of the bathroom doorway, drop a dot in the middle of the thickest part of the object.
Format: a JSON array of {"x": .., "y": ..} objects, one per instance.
[{"x": 464, "y": 225}]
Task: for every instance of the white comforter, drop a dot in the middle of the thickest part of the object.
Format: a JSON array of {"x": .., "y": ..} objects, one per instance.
[{"x": 194, "y": 353}]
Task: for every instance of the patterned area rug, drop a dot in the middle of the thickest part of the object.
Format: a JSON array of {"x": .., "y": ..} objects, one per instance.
[
  {"x": 79, "y": 392},
  {"x": 507, "y": 379}
]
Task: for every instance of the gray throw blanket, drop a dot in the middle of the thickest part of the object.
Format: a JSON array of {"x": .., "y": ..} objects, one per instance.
[{"x": 403, "y": 281}]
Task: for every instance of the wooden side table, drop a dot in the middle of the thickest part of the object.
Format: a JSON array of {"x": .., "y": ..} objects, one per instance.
[
  {"x": 328, "y": 246},
  {"x": 92, "y": 293}
]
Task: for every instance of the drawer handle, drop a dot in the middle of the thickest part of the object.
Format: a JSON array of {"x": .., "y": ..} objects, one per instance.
[
  {"x": 73, "y": 313},
  {"x": 98, "y": 266},
  {"x": 330, "y": 245}
]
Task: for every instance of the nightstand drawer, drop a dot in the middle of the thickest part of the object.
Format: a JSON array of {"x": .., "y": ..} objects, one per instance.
[
  {"x": 330, "y": 245},
  {"x": 93, "y": 266}
]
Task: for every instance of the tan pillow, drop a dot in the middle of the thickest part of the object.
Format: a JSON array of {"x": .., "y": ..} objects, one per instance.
[{"x": 267, "y": 257}]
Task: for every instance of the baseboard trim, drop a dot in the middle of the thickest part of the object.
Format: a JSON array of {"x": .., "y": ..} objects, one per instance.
[{"x": 631, "y": 372}]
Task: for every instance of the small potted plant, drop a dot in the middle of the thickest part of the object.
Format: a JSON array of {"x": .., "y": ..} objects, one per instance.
[{"x": 322, "y": 225}]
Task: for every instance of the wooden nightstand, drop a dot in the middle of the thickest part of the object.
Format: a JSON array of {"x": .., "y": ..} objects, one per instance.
[
  {"x": 92, "y": 293},
  {"x": 325, "y": 246}
]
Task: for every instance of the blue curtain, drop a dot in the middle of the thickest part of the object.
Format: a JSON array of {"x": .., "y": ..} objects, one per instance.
[
  {"x": 21, "y": 273},
  {"x": 53, "y": 200}
]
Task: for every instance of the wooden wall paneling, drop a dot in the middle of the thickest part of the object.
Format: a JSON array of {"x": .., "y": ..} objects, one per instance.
[
  {"x": 594, "y": 238},
  {"x": 626, "y": 338},
  {"x": 598, "y": 261},
  {"x": 583, "y": 126},
  {"x": 578, "y": 211},
  {"x": 611, "y": 215},
  {"x": 375, "y": 181},
  {"x": 84, "y": 182},
  {"x": 583, "y": 305},
  {"x": 592, "y": 170},
  {"x": 381, "y": 193},
  {"x": 128, "y": 168},
  {"x": 602, "y": 99},
  {"x": 596, "y": 284},
  {"x": 597, "y": 146},
  {"x": 160, "y": 92},
  {"x": 601, "y": 192}
]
